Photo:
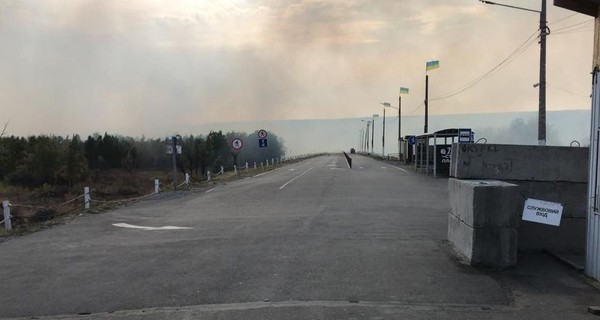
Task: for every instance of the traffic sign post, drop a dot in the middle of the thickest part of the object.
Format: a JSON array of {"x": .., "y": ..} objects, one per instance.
[
  {"x": 262, "y": 143},
  {"x": 237, "y": 144},
  {"x": 262, "y": 138}
]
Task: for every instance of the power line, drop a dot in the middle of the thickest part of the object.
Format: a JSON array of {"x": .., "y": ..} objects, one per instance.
[
  {"x": 564, "y": 18},
  {"x": 574, "y": 25},
  {"x": 524, "y": 46}
]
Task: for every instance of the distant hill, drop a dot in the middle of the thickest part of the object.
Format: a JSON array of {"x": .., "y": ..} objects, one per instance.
[{"x": 318, "y": 135}]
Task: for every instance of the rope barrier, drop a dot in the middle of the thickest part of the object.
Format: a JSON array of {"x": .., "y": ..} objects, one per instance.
[{"x": 122, "y": 200}]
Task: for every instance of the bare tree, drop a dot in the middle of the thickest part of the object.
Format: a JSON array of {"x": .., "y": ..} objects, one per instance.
[{"x": 4, "y": 129}]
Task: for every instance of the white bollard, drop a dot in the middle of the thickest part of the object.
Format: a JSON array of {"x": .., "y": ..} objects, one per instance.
[
  {"x": 222, "y": 170},
  {"x": 235, "y": 169},
  {"x": 254, "y": 165},
  {"x": 7, "y": 224},
  {"x": 262, "y": 167},
  {"x": 208, "y": 175},
  {"x": 86, "y": 197},
  {"x": 187, "y": 178},
  {"x": 156, "y": 186},
  {"x": 267, "y": 162},
  {"x": 246, "y": 166}
]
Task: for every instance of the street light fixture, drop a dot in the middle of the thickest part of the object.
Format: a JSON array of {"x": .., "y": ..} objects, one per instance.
[{"x": 544, "y": 31}]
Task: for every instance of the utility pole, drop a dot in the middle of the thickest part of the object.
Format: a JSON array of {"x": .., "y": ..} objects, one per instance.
[
  {"x": 544, "y": 31},
  {"x": 542, "y": 108}
]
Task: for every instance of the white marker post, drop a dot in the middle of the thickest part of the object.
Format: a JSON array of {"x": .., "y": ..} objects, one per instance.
[
  {"x": 267, "y": 162},
  {"x": 235, "y": 169},
  {"x": 86, "y": 198},
  {"x": 208, "y": 175},
  {"x": 246, "y": 166},
  {"x": 156, "y": 186},
  {"x": 7, "y": 224},
  {"x": 187, "y": 179},
  {"x": 255, "y": 165}
]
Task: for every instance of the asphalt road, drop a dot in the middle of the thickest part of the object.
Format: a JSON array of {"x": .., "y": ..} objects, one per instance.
[{"x": 311, "y": 240}]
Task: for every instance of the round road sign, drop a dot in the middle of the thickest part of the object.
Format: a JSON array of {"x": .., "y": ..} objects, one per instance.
[
  {"x": 237, "y": 144},
  {"x": 262, "y": 133}
]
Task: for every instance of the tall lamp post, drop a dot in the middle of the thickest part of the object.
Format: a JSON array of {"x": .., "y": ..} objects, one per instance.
[
  {"x": 403, "y": 90},
  {"x": 373, "y": 131},
  {"x": 544, "y": 31},
  {"x": 385, "y": 104},
  {"x": 367, "y": 134}
]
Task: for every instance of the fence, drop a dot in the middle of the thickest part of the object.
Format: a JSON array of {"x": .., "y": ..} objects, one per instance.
[{"x": 88, "y": 200}]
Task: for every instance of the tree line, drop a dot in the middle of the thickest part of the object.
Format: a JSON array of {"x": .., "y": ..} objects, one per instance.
[{"x": 55, "y": 160}]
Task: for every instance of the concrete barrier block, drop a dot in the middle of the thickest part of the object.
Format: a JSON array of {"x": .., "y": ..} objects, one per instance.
[
  {"x": 486, "y": 247},
  {"x": 570, "y": 236},
  {"x": 484, "y": 203},
  {"x": 572, "y": 195},
  {"x": 519, "y": 162}
]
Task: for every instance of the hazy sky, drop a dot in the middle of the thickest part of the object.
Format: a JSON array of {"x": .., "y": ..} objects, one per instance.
[{"x": 146, "y": 67}]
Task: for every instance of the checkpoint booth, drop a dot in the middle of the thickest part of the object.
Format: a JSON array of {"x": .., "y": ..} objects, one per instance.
[{"x": 432, "y": 153}]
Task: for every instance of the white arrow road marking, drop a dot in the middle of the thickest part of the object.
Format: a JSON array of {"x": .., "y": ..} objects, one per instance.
[
  {"x": 399, "y": 168},
  {"x": 130, "y": 226}
]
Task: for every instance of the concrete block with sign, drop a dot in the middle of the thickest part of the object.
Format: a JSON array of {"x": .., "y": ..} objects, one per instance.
[{"x": 483, "y": 221}]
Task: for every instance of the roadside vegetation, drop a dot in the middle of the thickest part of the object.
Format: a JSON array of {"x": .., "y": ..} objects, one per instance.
[{"x": 43, "y": 171}]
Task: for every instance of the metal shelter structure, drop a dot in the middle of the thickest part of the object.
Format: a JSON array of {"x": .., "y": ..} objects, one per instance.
[{"x": 432, "y": 152}]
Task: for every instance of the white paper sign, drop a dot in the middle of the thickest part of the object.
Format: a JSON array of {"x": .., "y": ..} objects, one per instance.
[{"x": 541, "y": 211}]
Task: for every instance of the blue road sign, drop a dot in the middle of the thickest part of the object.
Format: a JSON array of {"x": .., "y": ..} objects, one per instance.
[
  {"x": 262, "y": 143},
  {"x": 465, "y": 136},
  {"x": 412, "y": 140}
]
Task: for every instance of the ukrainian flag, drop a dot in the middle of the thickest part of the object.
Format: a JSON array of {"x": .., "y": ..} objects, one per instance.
[
  {"x": 403, "y": 90},
  {"x": 432, "y": 65}
]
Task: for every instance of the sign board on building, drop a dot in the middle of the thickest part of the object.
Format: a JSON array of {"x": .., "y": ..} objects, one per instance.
[
  {"x": 443, "y": 157},
  {"x": 170, "y": 149},
  {"x": 465, "y": 136},
  {"x": 541, "y": 211}
]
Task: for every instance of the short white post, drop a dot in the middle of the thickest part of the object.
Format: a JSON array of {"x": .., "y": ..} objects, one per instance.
[
  {"x": 267, "y": 162},
  {"x": 273, "y": 161},
  {"x": 187, "y": 178},
  {"x": 235, "y": 169},
  {"x": 222, "y": 170},
  {"x": 262, "y": 166},
  {"x": 7, "y": 224},
  {"x": 254, "y": 164},
  {"x": 156, "y": 186},
  {"x": 86, "y": 197},
  {"x": 246, "y": 166},
  {"x": 208, "y": 175}
]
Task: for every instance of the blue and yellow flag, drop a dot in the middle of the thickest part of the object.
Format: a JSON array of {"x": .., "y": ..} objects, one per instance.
[
  {"x": 403, "y": 90},
  {"x": 432, "y": 65}
]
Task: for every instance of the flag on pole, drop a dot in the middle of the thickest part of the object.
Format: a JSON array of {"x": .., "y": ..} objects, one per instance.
[
  {"x": 432, "y": 65},
  {"x": 403, "y": 90}
]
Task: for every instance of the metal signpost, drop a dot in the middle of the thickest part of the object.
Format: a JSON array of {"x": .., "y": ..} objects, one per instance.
[{"x": 262, "y": 138}]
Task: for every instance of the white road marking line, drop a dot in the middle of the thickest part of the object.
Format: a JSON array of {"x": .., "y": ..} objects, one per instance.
[
  {"x": 383, "y": 167},
  {"x": 400, "y": 169},
  {"x": 209, "y": 190},
  {"x": 300, "y": 175},
  {"x": 130, "y": 226},
  {"x": 336, "y": 168},
  {"x": 260, "y": 174},
  {"x": 292, "y": 169},
  {"x": 361, "y": 167}
]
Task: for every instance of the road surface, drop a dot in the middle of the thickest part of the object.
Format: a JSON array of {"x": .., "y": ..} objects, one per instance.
[{"x": 311, "y": 240}]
